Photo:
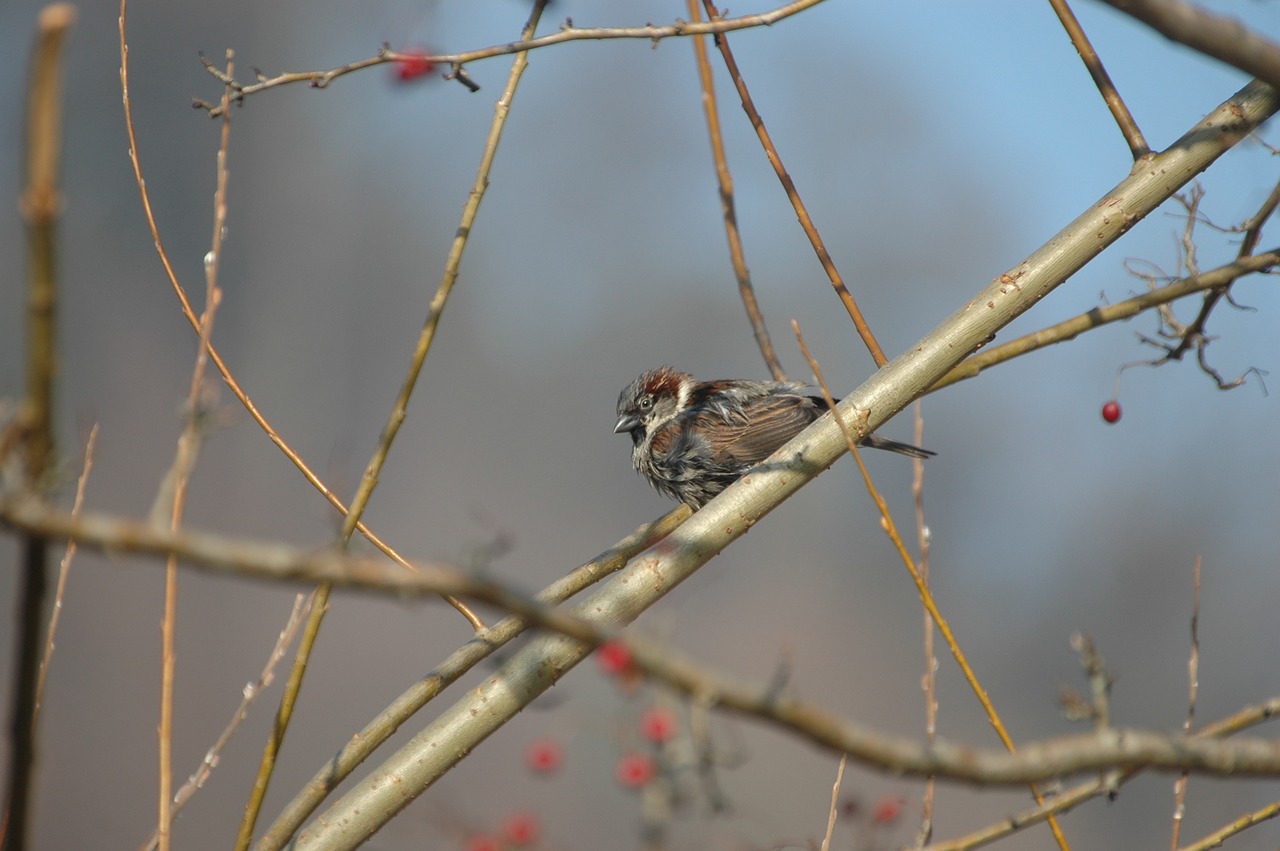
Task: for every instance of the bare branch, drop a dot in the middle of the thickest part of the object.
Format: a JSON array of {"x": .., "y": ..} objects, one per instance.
[
  {"x": 1110, "y": 95},
  {"x": 568, "y": 32},
  {"x": 1213, "y": 35},
  {"x": 728, "y": 208},
  {"x": 648, "y": 577},
  {"x": 1071, "y": 328}
]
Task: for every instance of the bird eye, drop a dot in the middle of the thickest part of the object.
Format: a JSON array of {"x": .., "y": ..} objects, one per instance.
[{"x": 646, "y": 402}]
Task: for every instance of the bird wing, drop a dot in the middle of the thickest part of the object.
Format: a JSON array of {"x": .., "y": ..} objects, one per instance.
[{"x": 766, "y": 423}]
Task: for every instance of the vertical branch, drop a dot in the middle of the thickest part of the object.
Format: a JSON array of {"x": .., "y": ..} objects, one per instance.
[
  {"x": 1193, "y": 692},
  {"x": 789, "y": 186},
  {"x": 179, "y": 476},
  {"x": 40, "y": 206},
  {"x": 929, "y": 681},
  {"x": 727, "y": 206}
]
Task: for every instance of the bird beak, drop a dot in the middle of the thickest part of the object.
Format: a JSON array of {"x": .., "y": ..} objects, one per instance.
[{"x": 626, "y": 422}]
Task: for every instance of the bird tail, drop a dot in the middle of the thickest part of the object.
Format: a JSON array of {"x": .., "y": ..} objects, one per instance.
[{"x": 877, "y": 442}]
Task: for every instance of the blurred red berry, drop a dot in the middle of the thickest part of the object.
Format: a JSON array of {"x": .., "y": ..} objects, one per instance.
[
  {"x": 635, "y": 770},
  {"x": 521, "y": 828},
  {"x": 613, "y": 657},
  {"x": 657, "y": 724},
  {"x": 1111, "y": 411},
  {"x": 887, "y": 809},
  {"x": 412, "y": 65},
  {"x": 544, "y": 756},
  {"x": 481, "y": 842}
]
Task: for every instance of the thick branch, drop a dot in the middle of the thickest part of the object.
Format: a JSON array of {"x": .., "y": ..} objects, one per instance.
[
  {"x": 1213, "y": 35},
  {"x": 652, "y": 574}
]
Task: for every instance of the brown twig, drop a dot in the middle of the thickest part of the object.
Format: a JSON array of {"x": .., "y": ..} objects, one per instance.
[
  {"x": 922, "y": 587},
  {"x": 1193, "y": 336},
  {"x": 568, "y": 32},
  {"x": 174, "y": 490},
  {"x": 40, "y": 205},
  {"x": 399, "y": 411},
  {"x": 793, "y": 195},
  {"x": 194, "y": 321},
  {"x": 728, "y": 208},
  {"x": 301, "y": 605},
  {"x": 1124, "y": 118},
  {"x": 1212, "y": 34}
]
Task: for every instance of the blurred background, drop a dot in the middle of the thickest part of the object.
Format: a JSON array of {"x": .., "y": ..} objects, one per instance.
[{"x": 936, "y": 144}]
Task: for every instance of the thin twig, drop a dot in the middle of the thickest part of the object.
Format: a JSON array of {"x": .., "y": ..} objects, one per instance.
[
  {"x": 1193, "y": 691},
  {"x": 793, "y": 195},
  {"x": 929, "y": 680},
  {"x": 399, "y": 411},
  {"x": 1194, "y": 335},
  {"x": 922, "y": 587},
  {"x": 301, "y": 605},
  {"x": 193, "y": 320},
  {"x": 1071, "y": 328},
  {"x": 41, "y": 206},
  {"x": 179, "y": 476},
  {"x": 64, "y": 569},
  {"x": 835, "y": 796},
  {"x": 728, "y": 207},
  {"x": 1246, "y": 821},
  {"x": 568, "y": 32},
  {"x": 1119, "y": 111}
]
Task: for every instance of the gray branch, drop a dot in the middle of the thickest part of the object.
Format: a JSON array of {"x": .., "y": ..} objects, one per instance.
[{"x": 651, "y": 575}]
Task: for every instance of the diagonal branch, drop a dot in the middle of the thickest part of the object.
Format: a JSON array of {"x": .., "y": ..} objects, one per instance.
[
  {"x": 534, "y": 668},
  {"x": 1213, "y": 35}
]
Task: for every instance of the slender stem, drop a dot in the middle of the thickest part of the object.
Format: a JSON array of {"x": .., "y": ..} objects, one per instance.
[
  {"x": 399, "y": 411},
  {"x": 40, "y": 205},
  {"x": 727, "y": 206},
  {"x": 1110, "y": 95},
  {"x": 793, "y": 195}
]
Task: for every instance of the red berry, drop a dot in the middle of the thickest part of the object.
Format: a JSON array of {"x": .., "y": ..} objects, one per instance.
[
  {"x": 887, "y": 809},
  {"x": 481, "y": 842},
  {"x": 657, "y": 724},
  {"x": 544, "y": 756},
  {"x": 613, "y": 657},
  {"x": 635, "y": 770},
  {"x": 412, "y": 65},
  {"x": 521, "y": 828},
  {"x": 1111, "y": 411}
]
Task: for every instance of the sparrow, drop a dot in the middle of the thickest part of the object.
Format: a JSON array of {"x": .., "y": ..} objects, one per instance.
[{"x": 692, "y": 439}]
